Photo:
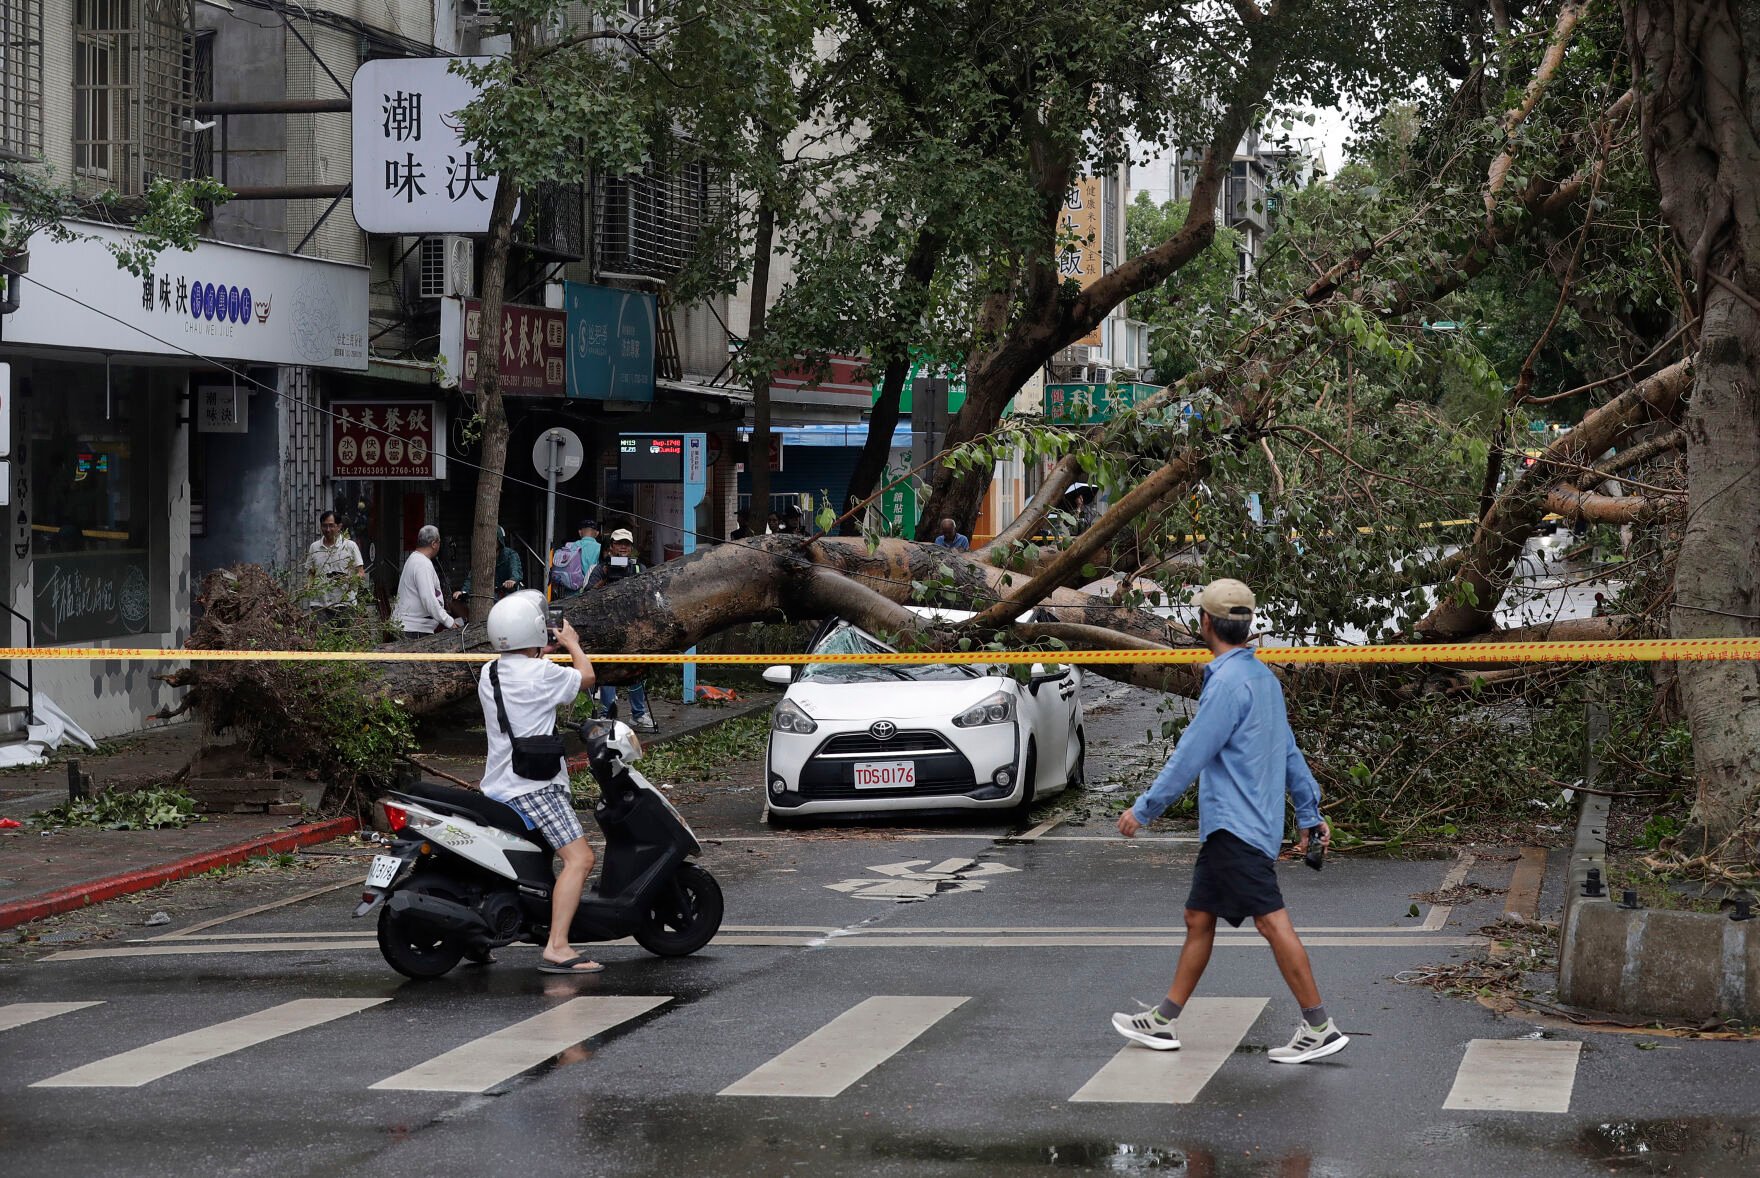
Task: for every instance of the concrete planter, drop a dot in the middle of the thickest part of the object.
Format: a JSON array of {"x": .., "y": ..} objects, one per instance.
[{"x": 1650, "y": 963}]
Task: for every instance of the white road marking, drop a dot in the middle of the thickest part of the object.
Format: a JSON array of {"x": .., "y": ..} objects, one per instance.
[
  {"x": 194, "y": 929},
  {"x": 482, "y": 1063},
  {"x": 1439, "y": 913},
  {"x": 1040, "y": 830},
  {"x": 1516, "y": 1075},
  {"x": 1209, "y": 1031},
  {"x": 17, "y": 1014},
  {"x": 846, "y": 1048},
  {"x": 143, "y": 1065}
]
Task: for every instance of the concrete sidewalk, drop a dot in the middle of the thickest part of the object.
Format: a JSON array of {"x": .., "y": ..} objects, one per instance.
[{"x": 45, "y": 873}]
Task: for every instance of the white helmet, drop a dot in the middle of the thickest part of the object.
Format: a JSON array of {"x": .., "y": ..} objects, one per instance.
[{"x": 518, "y": 621}]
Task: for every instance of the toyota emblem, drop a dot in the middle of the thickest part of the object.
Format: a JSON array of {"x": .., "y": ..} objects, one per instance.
[{"x": 883, "y": 730}]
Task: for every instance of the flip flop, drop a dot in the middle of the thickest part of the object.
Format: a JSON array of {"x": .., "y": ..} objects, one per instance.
[{"x": 569, "y": 966}]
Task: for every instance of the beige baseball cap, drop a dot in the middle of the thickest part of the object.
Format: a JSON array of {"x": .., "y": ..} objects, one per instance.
[
  {"x": 626, "y": 534},
  {"x": 1225, "y": 598}
]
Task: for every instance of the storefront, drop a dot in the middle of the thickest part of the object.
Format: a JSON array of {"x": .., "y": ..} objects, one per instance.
[{"x": 118, "y": 383}]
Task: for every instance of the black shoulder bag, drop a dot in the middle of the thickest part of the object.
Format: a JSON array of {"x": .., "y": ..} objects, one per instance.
[{"x": 535, "y": 758}]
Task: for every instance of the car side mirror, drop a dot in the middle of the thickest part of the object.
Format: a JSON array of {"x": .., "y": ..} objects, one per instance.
[{"x": 779, "y": 676}]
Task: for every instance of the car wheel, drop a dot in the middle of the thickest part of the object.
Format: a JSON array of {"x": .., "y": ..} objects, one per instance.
[
  {"x": 1078, "y": 774},
  {"x": 1029, "y": 775}
]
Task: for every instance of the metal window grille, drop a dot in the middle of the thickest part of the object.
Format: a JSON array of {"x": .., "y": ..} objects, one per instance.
[
  {"x": 21, "y": 79},
  {"x": 133, "y": 82},
  {"x": 1111, "y": 236},
  {"x": 650, "y": 223},
  {"x": 555, "y": 221}
]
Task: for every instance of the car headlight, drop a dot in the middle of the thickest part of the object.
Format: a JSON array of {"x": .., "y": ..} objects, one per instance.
[
  {"x": 790, "y": 718},
  {"x": 994, "y": 709}
]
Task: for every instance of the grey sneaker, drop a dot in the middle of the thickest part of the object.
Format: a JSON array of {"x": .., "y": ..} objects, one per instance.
[
  {"x": 644, "y": 723},
  {"x": 1310, "y": 1043},
  {"x": 1148, "y": 1029}
]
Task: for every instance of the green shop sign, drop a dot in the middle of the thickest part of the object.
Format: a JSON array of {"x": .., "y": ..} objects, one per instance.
[{"x": 1084, "y": 404}]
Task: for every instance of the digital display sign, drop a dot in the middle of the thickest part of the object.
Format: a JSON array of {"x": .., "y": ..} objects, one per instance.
[{"x": 650, "y": 458}]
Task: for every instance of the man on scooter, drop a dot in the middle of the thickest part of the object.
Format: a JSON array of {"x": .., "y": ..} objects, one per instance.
[{"x": 530, "y": 689}]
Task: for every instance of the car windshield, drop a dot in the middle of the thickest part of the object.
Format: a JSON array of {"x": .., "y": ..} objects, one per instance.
[{"x": 846, "y": 639}]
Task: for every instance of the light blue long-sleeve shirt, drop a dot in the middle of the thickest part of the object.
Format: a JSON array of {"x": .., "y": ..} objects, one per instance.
[{"x": 1240, "y": 748}]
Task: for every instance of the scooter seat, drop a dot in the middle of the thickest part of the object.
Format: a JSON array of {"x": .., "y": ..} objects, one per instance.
[{"x": 497, "y": 814}]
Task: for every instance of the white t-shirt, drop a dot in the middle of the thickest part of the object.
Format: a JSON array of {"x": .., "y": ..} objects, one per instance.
[
  {"x": 532, "y": 689},
  {"x": 420, "y": 608},
  {"x": 332, "y": 570}
]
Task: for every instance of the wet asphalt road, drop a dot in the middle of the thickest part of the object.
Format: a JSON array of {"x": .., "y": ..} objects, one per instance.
[{"x": 1033, "y": 941}]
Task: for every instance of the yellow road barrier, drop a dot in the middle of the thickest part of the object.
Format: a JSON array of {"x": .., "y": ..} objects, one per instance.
[{"x": 1640, "y": 650}]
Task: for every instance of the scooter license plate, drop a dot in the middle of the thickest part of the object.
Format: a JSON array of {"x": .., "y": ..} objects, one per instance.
[
  {"x": 885, "y": 774},
  {"x": 383, "y": 871}
]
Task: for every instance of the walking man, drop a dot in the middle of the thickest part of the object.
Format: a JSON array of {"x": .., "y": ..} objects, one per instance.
[
  {"x": 421, "y": 604},
  {"x": 333, "y": 566},
  {"x": 1240, "y": 748}
]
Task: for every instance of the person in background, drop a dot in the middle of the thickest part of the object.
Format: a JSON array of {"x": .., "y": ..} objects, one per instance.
[
  {"x": 744, "y": 531},
  {"x": 587, "y": 543},
  {"x": 772, "y": 523},
  {"x": 421, "y": 605},
  {"x": 620, "y": 563},
  {"x": 950, "y": 537},
  {"x": 793, "y": 521},
  {"x": 334, "y": 566},
  {"x": 510, "y": 571}
]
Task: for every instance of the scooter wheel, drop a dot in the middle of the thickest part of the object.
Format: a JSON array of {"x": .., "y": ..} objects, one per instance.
[
  {"x": 685, "y": 916},
  {"x": 414, "y": 950}
]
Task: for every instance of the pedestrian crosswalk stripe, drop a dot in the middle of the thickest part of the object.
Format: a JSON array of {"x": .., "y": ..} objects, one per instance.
[
  {"x": 483, "y": 1063},
  {"x": 846, "y": 1048},
  {"x": 1516, "y": 1075},
  {"x": 1209, "y": 1031},
  {"x": 143, "y": 1065},
  {"x": 17, "y": 1014}
]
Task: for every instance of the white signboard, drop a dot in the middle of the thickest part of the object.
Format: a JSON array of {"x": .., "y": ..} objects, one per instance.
[
  {"x": 215, "y": 301},
  {"x": 413, "y": 171}
]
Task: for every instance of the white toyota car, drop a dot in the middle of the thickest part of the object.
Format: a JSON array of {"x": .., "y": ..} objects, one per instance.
[{"x": 851, "y": 738}]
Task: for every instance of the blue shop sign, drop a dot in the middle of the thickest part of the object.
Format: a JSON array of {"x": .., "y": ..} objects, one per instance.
[{"x": 610, "y": 343}]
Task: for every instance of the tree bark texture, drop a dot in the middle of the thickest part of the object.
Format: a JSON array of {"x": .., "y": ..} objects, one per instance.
[
  {"x": 758, "y": 451},
  {"x": 1698, "y": 67},
  {"x": 485, "y": 547}
]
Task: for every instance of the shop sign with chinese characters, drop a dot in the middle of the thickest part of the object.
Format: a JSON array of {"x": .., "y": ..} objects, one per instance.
[
  {"x": 534, "y": 347},
  {"x": 610, "y": 343},
  {"x": 1078, "y": 240},
  {"x": 387, "y": 440},
  {"x": 1086, "y": 404},
  {"x": 413, "y": 170}
]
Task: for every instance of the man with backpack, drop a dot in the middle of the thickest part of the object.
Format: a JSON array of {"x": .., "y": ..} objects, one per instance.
[{"x": 570, "y": 564}]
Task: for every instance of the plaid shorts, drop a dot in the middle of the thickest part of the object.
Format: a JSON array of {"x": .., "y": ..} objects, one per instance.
[{"x": 551, "y": 811}]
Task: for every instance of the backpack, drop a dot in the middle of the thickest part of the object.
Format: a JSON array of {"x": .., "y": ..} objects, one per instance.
[{"x": 566, "y": 570}]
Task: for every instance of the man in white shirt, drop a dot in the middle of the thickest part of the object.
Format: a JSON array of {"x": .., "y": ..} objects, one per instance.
[
  {"x": 532, "y": 688},
  {"x": 421, "y": 607},
  {"x": 333, "y": 563}
]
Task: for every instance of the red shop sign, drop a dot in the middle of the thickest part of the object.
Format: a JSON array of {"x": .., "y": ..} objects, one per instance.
[
  {"x": 534, "y": 350},
  {"x": 385, "y": 440}
]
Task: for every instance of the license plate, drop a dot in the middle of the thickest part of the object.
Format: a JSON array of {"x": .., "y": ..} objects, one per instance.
[
  {"x": 885, "y": 774},
  {"x": 383, "y": 871}
]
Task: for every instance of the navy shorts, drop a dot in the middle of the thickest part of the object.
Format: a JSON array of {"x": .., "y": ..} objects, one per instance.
[{"x": 1234, "y": 880}]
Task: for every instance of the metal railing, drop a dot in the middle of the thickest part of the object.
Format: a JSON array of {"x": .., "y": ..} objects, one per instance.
[{"x": 29, "y": 683}]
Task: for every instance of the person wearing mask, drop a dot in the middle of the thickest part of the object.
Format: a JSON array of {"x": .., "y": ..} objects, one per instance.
[
  {"x": 619, "y": 563},
  {"x": 1240, "y": 748},
  {"x": 421, "y": 604},
  {"x": 949, "y": 537},
  {"x": 509, "y": 569}
]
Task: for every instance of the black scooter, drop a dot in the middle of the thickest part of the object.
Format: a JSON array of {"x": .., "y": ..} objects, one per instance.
[{"x": 466, "y": 875}]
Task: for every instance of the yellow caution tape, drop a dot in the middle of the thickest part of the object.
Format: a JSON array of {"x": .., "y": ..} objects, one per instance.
[{"x": 1640, "y": 650}]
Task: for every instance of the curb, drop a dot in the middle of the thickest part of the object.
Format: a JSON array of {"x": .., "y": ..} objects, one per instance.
[{"x": 109, "y": 887}]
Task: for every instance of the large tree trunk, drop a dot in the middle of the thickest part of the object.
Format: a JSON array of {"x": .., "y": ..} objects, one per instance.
[
  {"x": 1700, "y": 106},
  {"x": 919, "y": 269},
  {"x": 758, "y": 452},
  {"x": 485, "y": 547}
]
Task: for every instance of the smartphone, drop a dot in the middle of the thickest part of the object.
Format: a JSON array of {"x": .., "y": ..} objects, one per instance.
[{"x": 553, "y": 620}]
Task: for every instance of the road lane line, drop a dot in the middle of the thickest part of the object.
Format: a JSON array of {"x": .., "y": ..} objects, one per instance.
[
  {"x": 1209, "y": 1031},
  {"x": 260, "y": 908},
  {"x": 1516, "y": 1075},
  {"x": 175, "y": 949},
  {"x": 17, "y": 1014},
  {"x": 1457, "y": 875},
  {"x": 143, "y": 1065},
  {"x": 482, "y": 1063},
  {"x": 1039, "y": 831},
  {"x": 846, "y": 1048},
  {"x": 1524, "y": 883}
]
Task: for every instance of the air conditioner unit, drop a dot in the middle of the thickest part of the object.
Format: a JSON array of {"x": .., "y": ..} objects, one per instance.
[
  {"x": 476, "y": 14},
  {"x": 447, "y": 266},
  {"x": 1096, "y": 374}
]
